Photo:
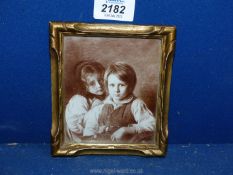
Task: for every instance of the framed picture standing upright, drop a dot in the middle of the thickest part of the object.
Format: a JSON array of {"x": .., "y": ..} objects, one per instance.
[{"x": 110, "y": 88}]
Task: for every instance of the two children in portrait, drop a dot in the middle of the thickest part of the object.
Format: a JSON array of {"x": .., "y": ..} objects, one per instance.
[{"x": 105, "y": 108}]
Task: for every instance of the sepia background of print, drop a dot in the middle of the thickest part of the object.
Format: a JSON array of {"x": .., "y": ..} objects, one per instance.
[{"x": 144, "y": 55}]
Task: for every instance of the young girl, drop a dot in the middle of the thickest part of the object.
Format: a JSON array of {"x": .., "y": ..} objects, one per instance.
[
  {"x": 90, "y": 93},
  {"x": 123, "y": 117}
]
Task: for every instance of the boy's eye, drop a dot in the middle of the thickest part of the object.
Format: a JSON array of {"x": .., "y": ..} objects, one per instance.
[
  {"x": 112, "y": 85},
  {"x": 121, "y": 85},
  {"x": 92, "y": 83}
]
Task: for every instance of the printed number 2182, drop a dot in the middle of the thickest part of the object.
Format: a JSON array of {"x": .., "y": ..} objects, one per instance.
[{"x": 113, "y": 8}]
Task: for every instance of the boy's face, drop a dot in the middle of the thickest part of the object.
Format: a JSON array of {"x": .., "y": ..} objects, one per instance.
[
  {"x": 94, "y": 84},
  {"x": 117, "y": 88}
]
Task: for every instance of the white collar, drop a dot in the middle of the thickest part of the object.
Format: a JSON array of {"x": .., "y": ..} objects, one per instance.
[{"x": 109, "y": 100}]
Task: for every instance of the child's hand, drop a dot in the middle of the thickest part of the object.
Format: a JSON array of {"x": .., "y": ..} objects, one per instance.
[
  {"x": 102, "y": 129},
  {"x": 118, "y": 134},
  {"x": 79, "y": 129}
]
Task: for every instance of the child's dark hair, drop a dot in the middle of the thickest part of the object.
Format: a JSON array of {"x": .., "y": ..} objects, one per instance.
[
  {"x": 84, "y": 68},
  {"x": 125, "y": 73}
]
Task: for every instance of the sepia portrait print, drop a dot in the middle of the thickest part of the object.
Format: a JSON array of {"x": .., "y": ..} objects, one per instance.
[{"x": 107, "y": 89}]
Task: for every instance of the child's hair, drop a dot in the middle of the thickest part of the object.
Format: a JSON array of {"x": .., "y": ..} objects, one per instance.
[
  {"x": 125, "y": 73},
  {"x": 82, "y": 70}
]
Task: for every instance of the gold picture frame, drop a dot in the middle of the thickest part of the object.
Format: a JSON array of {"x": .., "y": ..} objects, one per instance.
[{"x": 70, "y": 42}]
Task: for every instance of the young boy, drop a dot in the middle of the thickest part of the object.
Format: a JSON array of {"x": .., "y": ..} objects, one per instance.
[
  {"x": 122, "y": 118},
  {"x": 90, "y": 93}
]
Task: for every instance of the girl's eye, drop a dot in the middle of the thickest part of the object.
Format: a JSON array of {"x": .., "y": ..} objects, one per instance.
[
  {"x": 121, "y": 85},
  {"x": 92, "y": 83},
  {"x": 111, "y": 85}
]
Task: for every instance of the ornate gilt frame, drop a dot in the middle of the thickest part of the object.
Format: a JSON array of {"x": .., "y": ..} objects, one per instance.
[{"x": 164, "y": 33}]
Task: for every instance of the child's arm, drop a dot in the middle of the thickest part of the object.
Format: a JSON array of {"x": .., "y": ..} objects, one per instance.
[
  {"x": 146, "y": 121},
  {"x": 74, "y": 114},
  {"x": 91, "y": 120},
  {"x": 118, "y": 134}
]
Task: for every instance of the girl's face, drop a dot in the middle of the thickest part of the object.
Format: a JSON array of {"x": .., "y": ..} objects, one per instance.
[
  {"x": 117, "y": 88},
  {"x": 94, "y": 84}
]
